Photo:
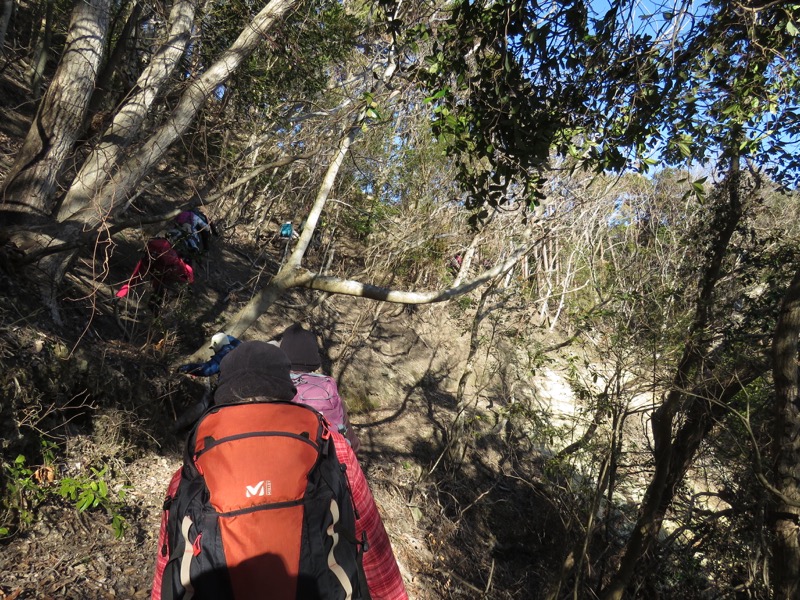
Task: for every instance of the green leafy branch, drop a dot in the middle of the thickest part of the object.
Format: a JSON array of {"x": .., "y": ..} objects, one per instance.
[{"x": 27, "y": 487}]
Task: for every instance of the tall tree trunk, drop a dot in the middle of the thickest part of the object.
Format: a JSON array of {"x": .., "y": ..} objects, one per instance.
[
  {"x": 115, "y": 58},
  {"x": 5, "y": 19},
  {"x": 671, "y": 459},
  {"x": 785, "y": 569},
  {"x": 117, "y": 188},
  {"x": 41, "y": 51},
  {"x": 114, "y": 193},
  {"x": 100, "y": 164},
  {"x": 30, "y": 184}
]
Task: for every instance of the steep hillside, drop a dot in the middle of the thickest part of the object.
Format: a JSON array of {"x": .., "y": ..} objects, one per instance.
[
  {"x": 606, "y": 406},
  {"x": 93, "y": 415},
  {"x": 472, "y": 430},
  {"x": 112, "y": 404}
]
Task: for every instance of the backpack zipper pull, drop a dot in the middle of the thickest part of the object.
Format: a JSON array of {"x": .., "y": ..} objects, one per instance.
[{"x": 349, "y": 490}]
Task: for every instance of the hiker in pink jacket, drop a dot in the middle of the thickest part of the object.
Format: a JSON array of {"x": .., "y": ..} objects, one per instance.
[{"x": 163, "y": 265}]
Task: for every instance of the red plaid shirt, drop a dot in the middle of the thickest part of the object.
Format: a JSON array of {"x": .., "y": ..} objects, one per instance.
[{"x": 380, "y": 567}]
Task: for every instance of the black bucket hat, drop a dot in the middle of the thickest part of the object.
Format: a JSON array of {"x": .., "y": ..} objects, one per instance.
[
  {"x": 300, "y": 345},
  {"x": 254, "y": 369}
]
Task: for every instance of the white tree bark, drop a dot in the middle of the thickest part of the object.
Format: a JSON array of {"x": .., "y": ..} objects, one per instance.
[
  {"x": 298, "y": 277},
  {"x": 349, "y": 287},
  {"x": 30, "y": 184},
  {"x": 126, "y": 123},
  {"x": 130, "y": 173}
]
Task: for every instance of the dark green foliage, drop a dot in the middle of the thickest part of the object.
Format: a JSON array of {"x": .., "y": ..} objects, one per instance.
[
  {"x": 25, "y": 488},
  {"x": 512, "y": 82},
  {"x": 294, "y": 64}
]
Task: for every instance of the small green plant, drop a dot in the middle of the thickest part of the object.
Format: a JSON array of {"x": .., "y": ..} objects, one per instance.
[
  {"x": 91, "y": 491},
  {"x": 27, "y": 487},
  {"x": 465, "y": 302},
  {"x": 23, "y": 492}
]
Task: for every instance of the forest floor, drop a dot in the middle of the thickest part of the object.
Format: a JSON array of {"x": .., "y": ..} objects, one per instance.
[{"x": 101, "y": 386}]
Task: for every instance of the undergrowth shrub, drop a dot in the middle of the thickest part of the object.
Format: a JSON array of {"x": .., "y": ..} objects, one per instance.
[
  {"x": 27, "y": 484},
  {"x": 61, "y": 439}
]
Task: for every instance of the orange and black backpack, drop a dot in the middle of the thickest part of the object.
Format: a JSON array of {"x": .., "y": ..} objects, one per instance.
[{"x": 263, "y": 510}]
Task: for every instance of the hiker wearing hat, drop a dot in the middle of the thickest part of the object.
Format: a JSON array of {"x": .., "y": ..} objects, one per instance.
[
  {"x": 231, "y": 530},
  {"x": 221, "y": 344},
  {"x": 315, "y": 389}
]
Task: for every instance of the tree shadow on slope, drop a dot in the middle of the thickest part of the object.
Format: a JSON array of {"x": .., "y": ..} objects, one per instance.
[
  {"x": 492, "y": 529},
  {"x": 485, "y": 529}
]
